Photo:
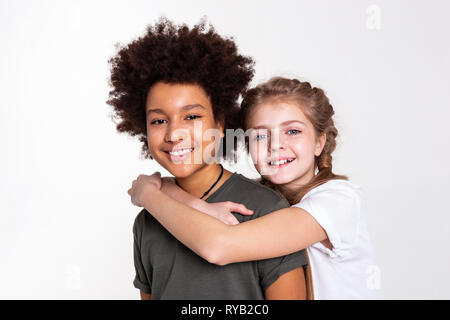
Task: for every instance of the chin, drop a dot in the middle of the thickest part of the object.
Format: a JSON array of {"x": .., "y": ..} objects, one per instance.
[
  {"x": 177, "y": 170},
  {"x": 279, "y": 179},
  {"x": 181, "y": 171}
]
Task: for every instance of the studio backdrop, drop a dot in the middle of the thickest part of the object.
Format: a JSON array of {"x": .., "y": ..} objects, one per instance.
[{"x": 65, "y": 215}]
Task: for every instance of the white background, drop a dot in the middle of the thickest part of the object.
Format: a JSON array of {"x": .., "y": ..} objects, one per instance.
[{"x": 65, "y": 215}]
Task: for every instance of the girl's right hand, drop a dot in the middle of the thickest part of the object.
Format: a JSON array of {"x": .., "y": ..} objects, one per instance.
[{"x": 222, "y": 211}]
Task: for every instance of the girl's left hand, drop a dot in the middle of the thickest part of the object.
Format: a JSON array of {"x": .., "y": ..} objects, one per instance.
[
  {"x": 141, "y": 185},
  {"x": 222, "y": 211}
]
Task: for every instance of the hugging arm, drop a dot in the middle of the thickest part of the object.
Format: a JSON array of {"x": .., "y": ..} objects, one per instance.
[
  {"x": 221, "y": 210},
  {"x": 219, "y": 243}
]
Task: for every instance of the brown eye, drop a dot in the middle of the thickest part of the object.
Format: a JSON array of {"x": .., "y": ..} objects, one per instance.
[
  {"x": 193, "y": 117},
  {"x": 157, "y": 121}
]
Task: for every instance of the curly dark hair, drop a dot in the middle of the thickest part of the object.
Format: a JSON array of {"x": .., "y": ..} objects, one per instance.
[{"x": 177, "y": 54}]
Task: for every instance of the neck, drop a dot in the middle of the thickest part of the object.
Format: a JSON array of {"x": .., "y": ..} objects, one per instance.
[{"x": 200, "y": 181}]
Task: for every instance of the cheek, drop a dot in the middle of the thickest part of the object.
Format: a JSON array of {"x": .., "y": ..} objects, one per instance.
[
  {"x": 155, "y": 136},
  {"x": 151, "y": 138},
  {"x": 258, "y": 152},
  {"x": 304, "y": 152},
  {"x": 208, "y": 139},
  {"x": 204, "y": 131}
]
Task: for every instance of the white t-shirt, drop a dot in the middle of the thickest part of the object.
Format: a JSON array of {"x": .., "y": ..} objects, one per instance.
[{"x": 348, "y": 271}]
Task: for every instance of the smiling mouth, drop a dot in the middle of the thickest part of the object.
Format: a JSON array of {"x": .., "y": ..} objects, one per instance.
[
  {"x": 280, "y": 162},
  {"x": 179, "y": 154}
]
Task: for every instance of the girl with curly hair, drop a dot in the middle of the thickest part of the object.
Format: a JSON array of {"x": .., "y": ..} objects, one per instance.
[
  {"x": 291, "y": 140},
  {"x": 172, "y": 88}
]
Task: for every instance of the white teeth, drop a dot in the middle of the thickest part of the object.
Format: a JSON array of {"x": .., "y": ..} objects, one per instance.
[
  {"x": 181, "y": 152},
  {"x": 277, "y": 163}
]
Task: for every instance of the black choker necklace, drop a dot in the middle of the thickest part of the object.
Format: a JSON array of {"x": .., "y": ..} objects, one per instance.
[{"x": 206, "y": 193}]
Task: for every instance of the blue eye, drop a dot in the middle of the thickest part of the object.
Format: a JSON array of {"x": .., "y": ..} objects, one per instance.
[
  {"x": 260, "y": 137},
  {"x": 295, "y": 131}
]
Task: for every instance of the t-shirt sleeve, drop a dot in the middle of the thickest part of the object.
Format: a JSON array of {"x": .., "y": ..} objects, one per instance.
[
  {"x": 336, "y": 207},
  {"x": 141, "y": 280},
  {"x": 271, "y": 269}
]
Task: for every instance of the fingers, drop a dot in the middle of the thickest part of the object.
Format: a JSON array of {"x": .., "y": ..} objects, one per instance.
[
  {"x": 239, "y": 208},
  {"x": 130, "y": 193},
  {"x": 143, "y": 176},
  {"x": 169, "y": 179},
  {"x": 231, "y": 220}
]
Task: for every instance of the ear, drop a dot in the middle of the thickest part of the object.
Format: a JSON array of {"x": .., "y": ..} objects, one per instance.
[{"x": 320, "y": 143}]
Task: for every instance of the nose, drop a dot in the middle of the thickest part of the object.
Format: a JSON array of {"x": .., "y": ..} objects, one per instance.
[
  {"x": 175, "y": 133},
  {"x": 276, "y": 142}
]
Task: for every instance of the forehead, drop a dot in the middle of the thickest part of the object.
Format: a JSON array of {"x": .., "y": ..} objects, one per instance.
[
  {"x": 173, "y": 97},
  {"x": 273, "y": 114}
]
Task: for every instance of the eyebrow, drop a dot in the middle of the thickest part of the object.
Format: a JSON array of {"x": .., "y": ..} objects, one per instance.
[
  {"x": 285, "y": 123},
  {"x": 185, "y": 108}
]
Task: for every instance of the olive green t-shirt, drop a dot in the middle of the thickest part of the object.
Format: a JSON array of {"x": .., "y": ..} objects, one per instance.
[{"x": 167, "y": 269}]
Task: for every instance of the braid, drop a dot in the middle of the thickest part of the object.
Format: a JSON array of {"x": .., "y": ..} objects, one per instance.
[{"x": 325, "y": 159}]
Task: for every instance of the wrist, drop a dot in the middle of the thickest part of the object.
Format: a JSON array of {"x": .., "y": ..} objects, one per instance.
[
  {"x": 200, "y": 205},
  {"x": 194, "y": 203},
  {"x": 149, "y": 194}
]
